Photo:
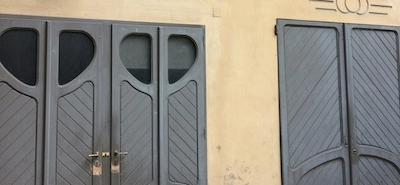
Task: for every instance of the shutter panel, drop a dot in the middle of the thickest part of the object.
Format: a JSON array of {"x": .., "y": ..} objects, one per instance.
[
  {"x": 373, "y": 57},
  {"x": 22, "y": 49},
  {"x": 134, "y": 104},
  {"x": 182, "y": 106},
  {"x": 74, "y": 103},
  {"x": 312, "y": 100}
]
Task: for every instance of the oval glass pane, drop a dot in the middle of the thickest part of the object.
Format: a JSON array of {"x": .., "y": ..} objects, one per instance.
[
  {"x": 135, "y": 54},
  {"x": 76, "y": 51},
  {"x": 181, "y": 57},
  {"x": 18, "y": 54}
]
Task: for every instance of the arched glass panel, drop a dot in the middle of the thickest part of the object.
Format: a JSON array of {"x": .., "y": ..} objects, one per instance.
[
  {"x": 135, "y": 53},
  {"x": 181, "y": 57},
  {"x": 18, "y": 54},
  {"x": 76, "y": 53}
]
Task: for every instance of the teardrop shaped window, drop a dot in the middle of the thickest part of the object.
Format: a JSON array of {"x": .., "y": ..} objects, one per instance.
[
  {"x": 181, "y": 57},
  {"x": 18, "y": 54},
  {"x": 76, "y": 53},
  {"x": 135, "y": 54}
]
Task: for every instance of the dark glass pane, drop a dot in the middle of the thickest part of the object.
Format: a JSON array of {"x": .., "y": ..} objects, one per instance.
[
  {"x": 135, "y": 53},
  {"x": 18, "y": 54},
  {"x": 76, "y": 53},
  {"x": 181, "y": 56}
]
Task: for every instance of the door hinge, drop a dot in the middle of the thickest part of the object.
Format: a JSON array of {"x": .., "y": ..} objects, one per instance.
[{"x": 276, "y": 30}]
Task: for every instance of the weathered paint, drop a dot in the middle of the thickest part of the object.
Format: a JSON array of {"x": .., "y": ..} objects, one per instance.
[{"x": 241, "y": 63}]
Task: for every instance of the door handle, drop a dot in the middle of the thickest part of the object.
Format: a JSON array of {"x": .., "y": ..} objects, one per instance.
[
  {"x": 115, "y": 165},
  {"x": 120, "y": 153},
  {"x": 96, "y": 168},
  {"x": 94, "y": 155}
]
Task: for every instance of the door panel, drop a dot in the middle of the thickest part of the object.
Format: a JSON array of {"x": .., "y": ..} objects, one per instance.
[
  {"x": 18, "y": 122},
  {"x": 75, "y": 136},
  {"x": 134, "y": 104},
  {"x": 21, "y": 101},
  {"x": 182, "y": 135},
  {"x": 373, "y": 170},
  {"x": 75, "y": 107},
  {"x": 312, "y": 100},
  {"x": 374, "y": 96},
  {"x": 327, "y": 173},
  {"x": 136, "y": 136},
  {"x": 182, "y": 106}
]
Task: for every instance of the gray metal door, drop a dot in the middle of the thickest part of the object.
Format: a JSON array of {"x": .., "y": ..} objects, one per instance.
[
  {"x": 22, "y": 50},
  {"x": 182, "y": 106},
  {"x": 374, "y": 110},
  {"x": 312, "y": 103},
  {"x": 320, "y": 143},
  {"x": 158, "y": 105},
  {"x": 134, "y": 105},
  {"x": 75, "y": 103},
  {"x": 91, "y": 103}
]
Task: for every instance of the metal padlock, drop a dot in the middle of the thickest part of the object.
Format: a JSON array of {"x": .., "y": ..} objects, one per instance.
[{"x": 96, "y": 167}]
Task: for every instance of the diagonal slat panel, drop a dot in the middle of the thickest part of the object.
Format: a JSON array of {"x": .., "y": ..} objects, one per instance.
[
  {"x": 5, "y": 89},
  {"x": 377, "y": 171},
  {"x": 18, "y": 114},
  {"x": 328, "y": 173},
  {"x": 376, "y": 101},
  {"x": 25, "y": 172},
  {"x": 74, "y": 136},
  {"x": 8, "y": 99},
  {"x": 376, "y": 88},
  {"x": 312, "y": 92},
  {"x": 136, "y": 136},
  {"x": 182, "y": 135}
]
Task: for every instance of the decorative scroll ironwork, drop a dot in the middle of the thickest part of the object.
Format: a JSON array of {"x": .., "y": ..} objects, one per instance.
[{"x": 362, "y": 7}]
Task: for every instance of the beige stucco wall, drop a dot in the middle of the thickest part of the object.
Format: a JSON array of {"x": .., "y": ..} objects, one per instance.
[{"x": 242, "y": 77}]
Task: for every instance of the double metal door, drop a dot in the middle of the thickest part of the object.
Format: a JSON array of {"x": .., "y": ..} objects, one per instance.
[
  {"x": 94, "y": 116},
  {"x": 339, "y": 100}
]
